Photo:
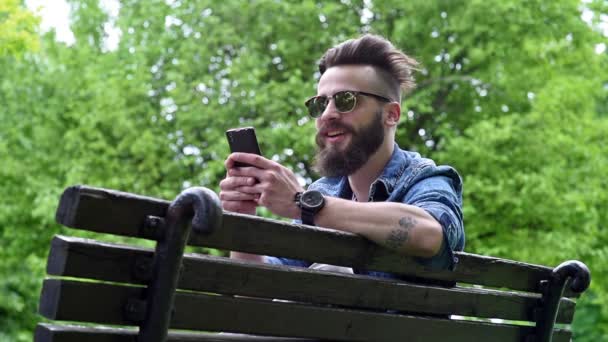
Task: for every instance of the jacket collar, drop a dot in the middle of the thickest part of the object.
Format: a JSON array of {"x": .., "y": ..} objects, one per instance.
[{"x": 384, "y": 185}]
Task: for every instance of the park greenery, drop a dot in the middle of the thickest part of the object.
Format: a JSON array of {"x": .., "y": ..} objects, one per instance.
[{"x": 512, "y": 93}]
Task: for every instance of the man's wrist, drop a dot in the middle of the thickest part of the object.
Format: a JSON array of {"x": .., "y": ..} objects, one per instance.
[
  {"x": 297, "y": 211},
  {"x": 310, "y": 203}
]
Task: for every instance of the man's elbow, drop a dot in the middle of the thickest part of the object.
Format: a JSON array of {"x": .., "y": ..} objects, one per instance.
[{"x": 431, "y": 241}]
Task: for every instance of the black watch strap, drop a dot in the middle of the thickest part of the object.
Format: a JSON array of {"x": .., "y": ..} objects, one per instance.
[{"x": 308, "y": 217}]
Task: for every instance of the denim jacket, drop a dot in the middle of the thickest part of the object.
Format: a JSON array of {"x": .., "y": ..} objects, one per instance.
[{"x": 408, "y": 178}]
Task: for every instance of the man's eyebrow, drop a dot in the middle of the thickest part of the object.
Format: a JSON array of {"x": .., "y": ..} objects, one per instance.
[{"x": 340, "y": 90}]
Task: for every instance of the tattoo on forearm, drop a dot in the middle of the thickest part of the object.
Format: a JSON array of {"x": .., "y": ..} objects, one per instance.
[{"x": 398, "y": 236}]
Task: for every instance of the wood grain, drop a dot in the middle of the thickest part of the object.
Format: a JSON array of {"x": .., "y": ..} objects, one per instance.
[
  {"x": 75, "y": 257},
  {"x": 265, "y": 317},
  {"x": 71, "y": 333},
  {"x": 122, "y": 213}
]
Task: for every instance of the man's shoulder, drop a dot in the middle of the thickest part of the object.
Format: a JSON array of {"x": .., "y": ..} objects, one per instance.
[
  {"x": 415, "y": 160},
  {"x": 406, "y": 164},
  {"x": 417, "y": 167}
]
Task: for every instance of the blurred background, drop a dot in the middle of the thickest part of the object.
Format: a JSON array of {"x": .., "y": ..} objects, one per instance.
[{"x": 136, "y": 96}]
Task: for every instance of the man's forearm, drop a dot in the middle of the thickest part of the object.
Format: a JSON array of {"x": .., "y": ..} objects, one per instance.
[
  {"x": 247, "y": 256},
  {"x": 400, "y": 227}
]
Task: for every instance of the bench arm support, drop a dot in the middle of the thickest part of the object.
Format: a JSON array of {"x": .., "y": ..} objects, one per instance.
[
  {"x": 553, "y": 291},
  {"x": 202, "y": 207}
]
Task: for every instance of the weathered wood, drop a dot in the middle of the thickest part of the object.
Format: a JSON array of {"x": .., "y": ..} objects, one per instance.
[
  {"x": 71, "y": 300},
  {"x": 123, "y": 214},
  {"x": 71, "y": 333},
  {"x": 265, "y": 317},
  {"x": 75, "y": 257},
  {"x": 107, "y": 211}
]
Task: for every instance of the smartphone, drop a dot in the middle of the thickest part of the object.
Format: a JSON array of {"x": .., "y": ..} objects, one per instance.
[{"x": 243, "y": 140}]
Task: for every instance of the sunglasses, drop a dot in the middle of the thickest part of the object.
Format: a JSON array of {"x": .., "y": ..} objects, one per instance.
[{"x": 345, "y": 101}]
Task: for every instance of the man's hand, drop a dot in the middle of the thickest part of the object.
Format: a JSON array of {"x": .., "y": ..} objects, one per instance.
[
  {"x": 275, "y": 188},
  {"x": 234, "y": 200}
]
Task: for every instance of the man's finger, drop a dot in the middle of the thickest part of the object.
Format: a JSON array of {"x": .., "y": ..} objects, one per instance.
[
  {"x": 233, "y": 182},
  {"x": 251, "y": 159},
  {"x": 228, "y": 163},
  {"x": 247, "y": 171},
  {"x": 237, "y": 196},
  {"x": 250, "y": 189}
]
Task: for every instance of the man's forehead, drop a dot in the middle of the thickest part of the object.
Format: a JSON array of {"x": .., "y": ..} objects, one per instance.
[{"x": 353, "y": 77}]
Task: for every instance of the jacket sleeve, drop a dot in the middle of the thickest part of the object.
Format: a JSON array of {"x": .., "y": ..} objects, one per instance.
[{"x": 440, "y": 195}]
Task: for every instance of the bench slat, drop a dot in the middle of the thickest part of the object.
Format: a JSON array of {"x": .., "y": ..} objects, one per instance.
[
  {"x": 122, "y": 213},
  {"x": 71, "y": 333},
  {"x": 76, "y": 257},
  {"x": 243, "y": 315}
]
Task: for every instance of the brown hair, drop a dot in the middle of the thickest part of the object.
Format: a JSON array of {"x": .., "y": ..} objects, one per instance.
[{"x": 375, "y": 51}]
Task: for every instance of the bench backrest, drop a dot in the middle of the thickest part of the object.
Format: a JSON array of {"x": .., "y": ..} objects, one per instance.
[{"x": 492, "y": 297}]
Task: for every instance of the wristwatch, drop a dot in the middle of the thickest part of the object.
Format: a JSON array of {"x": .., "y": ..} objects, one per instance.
[{"x": 310, "y": 202}]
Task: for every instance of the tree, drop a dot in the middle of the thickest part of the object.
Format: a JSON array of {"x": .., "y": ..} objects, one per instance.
[
  {"x": 510, "y": 92},
  {"x": 532, "y": 191},
  {"x": 17, "y": 29}
]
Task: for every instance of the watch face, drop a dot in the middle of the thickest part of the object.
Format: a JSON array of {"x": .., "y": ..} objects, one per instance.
[{"x": 312, "y": 199}]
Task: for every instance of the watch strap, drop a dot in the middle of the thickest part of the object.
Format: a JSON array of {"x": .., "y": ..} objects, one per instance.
[
  {"x": 296, "y": 198},
  {"x": 308, "y": 217}
]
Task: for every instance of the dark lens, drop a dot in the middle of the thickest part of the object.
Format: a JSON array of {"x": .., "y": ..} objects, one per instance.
[
  {"x": 345, "y": 101},
  {"x": 316, "y": 106}
]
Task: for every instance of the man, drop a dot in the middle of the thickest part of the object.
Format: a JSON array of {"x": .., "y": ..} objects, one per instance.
[{"x": 370, "y": 186}]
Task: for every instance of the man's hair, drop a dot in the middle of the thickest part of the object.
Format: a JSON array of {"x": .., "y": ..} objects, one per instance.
[{"x": 375, "y": 51}]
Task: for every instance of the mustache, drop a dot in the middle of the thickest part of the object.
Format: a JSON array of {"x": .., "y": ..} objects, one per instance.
[
  {"x": 331, "y": 127},
  {"x": 334, "y": 127}
]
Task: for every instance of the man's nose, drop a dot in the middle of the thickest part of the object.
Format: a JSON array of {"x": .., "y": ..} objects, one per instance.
[{"x": 330, "y": 112}]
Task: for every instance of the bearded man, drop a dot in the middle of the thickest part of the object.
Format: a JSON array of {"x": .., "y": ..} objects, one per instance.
[{"x": 370, "y": 186}]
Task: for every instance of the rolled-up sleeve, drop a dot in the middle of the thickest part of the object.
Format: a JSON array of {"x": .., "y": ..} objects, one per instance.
[
  {"x": 441, "y": 197},
  {"x": 285, "y": 261}
]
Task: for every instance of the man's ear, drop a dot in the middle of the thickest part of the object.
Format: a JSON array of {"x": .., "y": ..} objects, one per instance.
[{"x": 393, "y": 114}]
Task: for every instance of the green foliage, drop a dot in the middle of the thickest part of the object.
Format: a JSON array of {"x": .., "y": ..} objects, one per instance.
[
  {"x": 532, "y": 180},
  {"x": 17, "y": 29},
  {"x": 510, "y": 92}
]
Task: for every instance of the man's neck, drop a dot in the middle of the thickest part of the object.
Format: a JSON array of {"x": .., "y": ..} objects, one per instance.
[{"x": 361, "y": 181}]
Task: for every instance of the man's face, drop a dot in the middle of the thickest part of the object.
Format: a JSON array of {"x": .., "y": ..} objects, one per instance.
[{"x": 346, "y": 140}]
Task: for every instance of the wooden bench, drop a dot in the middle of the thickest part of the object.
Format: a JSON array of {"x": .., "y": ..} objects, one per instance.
[{"x": 128, "y": 293}]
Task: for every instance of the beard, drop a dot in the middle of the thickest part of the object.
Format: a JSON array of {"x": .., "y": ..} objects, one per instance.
[{"x": 331, "y": 162}]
